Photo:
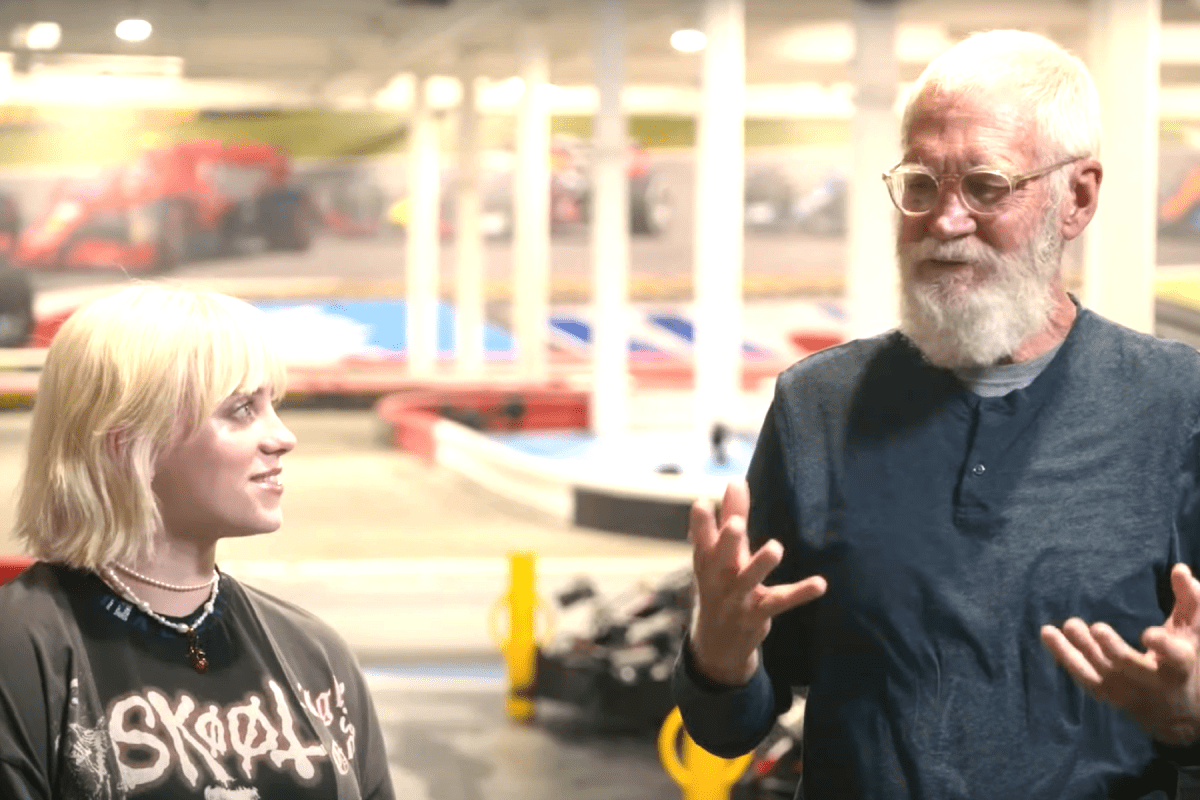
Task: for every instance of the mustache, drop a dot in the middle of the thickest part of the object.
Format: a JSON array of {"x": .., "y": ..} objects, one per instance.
[{"x": 953, "y": 250}]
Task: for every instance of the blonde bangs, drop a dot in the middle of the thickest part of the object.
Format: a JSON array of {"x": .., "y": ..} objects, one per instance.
[{"x": 233, "y": 352}]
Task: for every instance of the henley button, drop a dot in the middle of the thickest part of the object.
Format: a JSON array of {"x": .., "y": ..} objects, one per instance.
[{"x": 978, "y": 469}]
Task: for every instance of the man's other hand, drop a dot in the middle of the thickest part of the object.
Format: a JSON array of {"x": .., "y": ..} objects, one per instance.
[{"x": 1159, "y": 688}]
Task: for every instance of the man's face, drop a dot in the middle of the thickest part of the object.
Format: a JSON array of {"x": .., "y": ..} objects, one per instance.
[
  {"x": 225, "y": 479},
  {"x": 976, "y": 286}
]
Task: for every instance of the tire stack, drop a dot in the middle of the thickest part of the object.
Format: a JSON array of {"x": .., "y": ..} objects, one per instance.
[{"x": 16, "y": 308}]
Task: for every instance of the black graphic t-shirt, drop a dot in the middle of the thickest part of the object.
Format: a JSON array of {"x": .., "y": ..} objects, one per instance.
[{"x": 234, "y": 732}]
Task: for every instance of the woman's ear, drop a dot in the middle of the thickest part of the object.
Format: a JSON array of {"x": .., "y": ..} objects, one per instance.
[
  {"x": 115, "y": 443},
  {"x": 1083, "y": 195}
]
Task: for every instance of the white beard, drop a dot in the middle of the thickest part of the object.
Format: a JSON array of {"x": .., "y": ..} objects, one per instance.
[{"x": 980, "y": 317}]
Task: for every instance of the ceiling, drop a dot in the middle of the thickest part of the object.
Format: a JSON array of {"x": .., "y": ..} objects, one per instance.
[{"x": 359, "y": 46}]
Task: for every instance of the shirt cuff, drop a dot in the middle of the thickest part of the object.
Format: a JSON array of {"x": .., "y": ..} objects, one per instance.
[
  {"x": 725, "y": 720},
  {"x": 702, "y": 682}
]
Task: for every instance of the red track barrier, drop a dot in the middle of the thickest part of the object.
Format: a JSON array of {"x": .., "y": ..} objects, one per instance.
[
  {"x": 486, "y": 407},
  {"x": 12, "y": 566}
]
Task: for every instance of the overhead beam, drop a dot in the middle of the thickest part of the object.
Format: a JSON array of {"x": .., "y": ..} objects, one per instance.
[{"x": 441, "y": 34}]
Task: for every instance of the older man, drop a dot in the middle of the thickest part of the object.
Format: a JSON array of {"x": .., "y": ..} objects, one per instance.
[{"x": 941, "y": 513}]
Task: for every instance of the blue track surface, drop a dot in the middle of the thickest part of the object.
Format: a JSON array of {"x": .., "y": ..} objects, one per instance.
[
  {"x": 683, "y": 328},
  {"x": 580, "y": 333},
  {"x": 382, "y": 323},
  {"x": 349, "y": 328}
]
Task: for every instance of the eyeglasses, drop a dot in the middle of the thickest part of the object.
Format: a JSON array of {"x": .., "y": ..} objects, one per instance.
[{"x": 915, "y": 189}]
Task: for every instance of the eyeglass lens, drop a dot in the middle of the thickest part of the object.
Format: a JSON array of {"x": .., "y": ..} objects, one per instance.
[{"x": 981, "y": 191}]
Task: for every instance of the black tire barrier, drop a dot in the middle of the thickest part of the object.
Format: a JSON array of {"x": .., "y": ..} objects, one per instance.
[{"x": 16, "y": 308}]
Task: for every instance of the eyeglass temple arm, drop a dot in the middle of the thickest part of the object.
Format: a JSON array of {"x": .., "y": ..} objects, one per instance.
[{"x": 1037, "y": 173}]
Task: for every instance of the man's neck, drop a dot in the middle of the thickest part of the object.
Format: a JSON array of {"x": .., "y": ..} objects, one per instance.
[{"x": 1058, "y": 325}]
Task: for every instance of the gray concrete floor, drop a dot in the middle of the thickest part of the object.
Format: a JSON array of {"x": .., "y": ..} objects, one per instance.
[
  {"x": 455, "y": 743},
  {"x": 406, "y": 561}
]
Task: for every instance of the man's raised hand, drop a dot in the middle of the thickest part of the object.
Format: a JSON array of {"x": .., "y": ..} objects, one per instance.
[{"x": 733, "y": 607}]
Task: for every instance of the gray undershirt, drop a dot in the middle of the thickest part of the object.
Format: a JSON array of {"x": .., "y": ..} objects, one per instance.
[{"x": 1000, "y": 379}]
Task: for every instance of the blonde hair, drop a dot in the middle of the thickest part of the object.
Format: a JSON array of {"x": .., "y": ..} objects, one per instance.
[
  {"x": 1055, "y": 83},
  {"x": 126, "y": 376}
]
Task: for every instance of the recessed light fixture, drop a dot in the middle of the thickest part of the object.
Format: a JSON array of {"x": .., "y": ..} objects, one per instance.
[
  {"x": 688, "y": 40},
  {"x": 43, "y": 36},
  {"x": 133, "y": 30}
]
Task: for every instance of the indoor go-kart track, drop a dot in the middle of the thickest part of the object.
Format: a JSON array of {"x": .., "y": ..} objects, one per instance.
[{"x": 406, "y": 560}]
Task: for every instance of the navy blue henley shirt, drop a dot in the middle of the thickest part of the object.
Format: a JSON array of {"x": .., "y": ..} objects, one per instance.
[{"x": 950, "y": 528}]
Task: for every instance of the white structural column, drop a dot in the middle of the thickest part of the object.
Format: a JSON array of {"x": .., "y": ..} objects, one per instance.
[
  {"x": 531, "y": 203},
  {"x": 610, "y": 229},
  {"x": 421, "y": 268},
  {"x": 6, "y": 76},
  {"x": 872, "y": 279},
  {"x": 468, "y": 268},
  {"x": 720, "y": 181},
  {"x": 1120, "y": 249}
]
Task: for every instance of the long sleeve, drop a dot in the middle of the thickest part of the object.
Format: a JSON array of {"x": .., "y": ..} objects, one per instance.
[
  {"x": 24, "y": 720},
  {"x": 376, "y": 778},
  {"x": 725, "y": 722}
]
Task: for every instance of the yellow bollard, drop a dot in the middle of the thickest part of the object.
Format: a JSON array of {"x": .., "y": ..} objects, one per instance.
[
  {"x": 520, "y": 649},
  {"x": 700, "y": 775}
]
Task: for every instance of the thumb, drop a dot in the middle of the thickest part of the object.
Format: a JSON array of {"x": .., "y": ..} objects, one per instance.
[{"x": 1187, "y": 596}]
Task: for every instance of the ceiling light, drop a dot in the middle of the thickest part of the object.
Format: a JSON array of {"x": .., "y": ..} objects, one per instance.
[
  {"x": 133, "y": 30},
  {"x": 688, "y": 40},
  {"x": 42, "y": 36}
]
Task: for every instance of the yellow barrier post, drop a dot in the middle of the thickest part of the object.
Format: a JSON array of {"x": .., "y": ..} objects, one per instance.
[
  {"x": 520, "y": 649},
  {"x": 700, "y": 774}
]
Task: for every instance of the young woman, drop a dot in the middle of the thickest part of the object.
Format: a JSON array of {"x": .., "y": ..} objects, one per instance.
[{"x": 130, "y": 666}]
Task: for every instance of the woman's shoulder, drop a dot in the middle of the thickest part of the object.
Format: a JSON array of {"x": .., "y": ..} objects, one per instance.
[
  {"x": 36, "y": 622},
  {"x": 38, "y": 594},
  {"x": 284, "y": 619}
]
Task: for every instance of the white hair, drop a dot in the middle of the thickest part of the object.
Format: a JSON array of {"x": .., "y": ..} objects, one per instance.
[{"x": 1055, "y": 84}]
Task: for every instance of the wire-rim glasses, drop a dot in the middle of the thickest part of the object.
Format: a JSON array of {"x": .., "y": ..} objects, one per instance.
[{"x": 915, "y": 189}]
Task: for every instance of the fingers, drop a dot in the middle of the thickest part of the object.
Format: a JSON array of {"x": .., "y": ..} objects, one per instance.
[
  {"x": 1187, "y": 596},
  {"x": 702, "y": 528},
  {"x": 1141, "y": 668},
  {"x": 1081, "y": 638},
  {"x": 728, "y": 572},
  {"x": 1175, "y": 655},
  {"x": 724, "y": 548},
  {"x": 736, "y": 501},
  {"x": 778, "y": 599},
  {"x": 765, "y": 559},
  {"x": 731, "y": 552},
  {"x": 774, "y": 600},
  {"x": 1069, "y": 658},
  {"x": 1096, "y": 656},
  {"x": 1152, "y": 686}
]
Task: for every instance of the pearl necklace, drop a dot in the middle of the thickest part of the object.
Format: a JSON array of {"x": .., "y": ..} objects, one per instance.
[
  {"x": 196, "y": 655},
  {"x": 170, "y": 587}
]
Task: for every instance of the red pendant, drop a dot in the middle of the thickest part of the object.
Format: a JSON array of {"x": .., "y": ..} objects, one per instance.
[{"x": 195, "y": 655}]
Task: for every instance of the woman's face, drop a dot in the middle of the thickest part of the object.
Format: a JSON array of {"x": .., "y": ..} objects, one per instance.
[{"x": 225, "y": 479}]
